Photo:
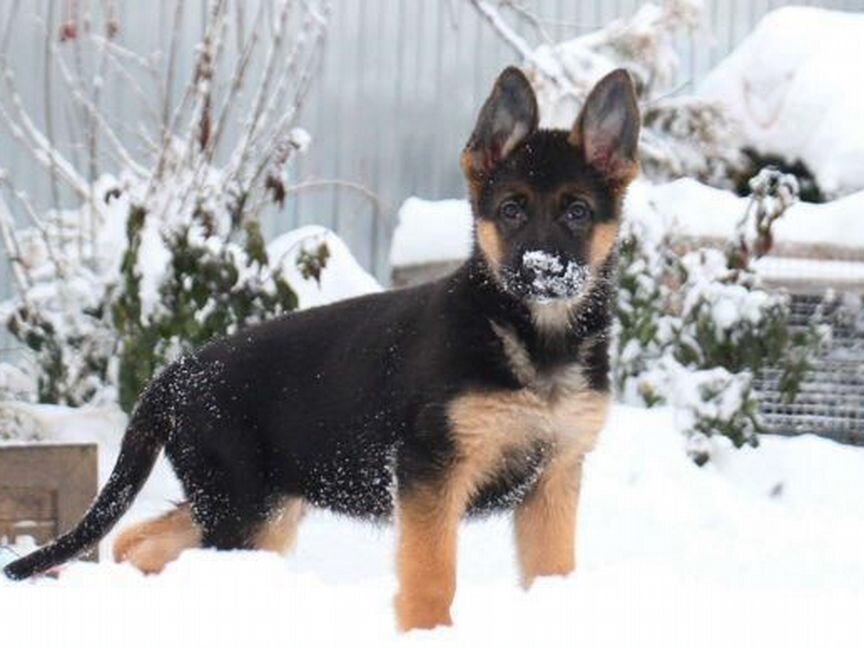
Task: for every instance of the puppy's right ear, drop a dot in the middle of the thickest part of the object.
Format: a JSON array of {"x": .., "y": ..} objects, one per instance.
[{"x": 509, "y": 115}]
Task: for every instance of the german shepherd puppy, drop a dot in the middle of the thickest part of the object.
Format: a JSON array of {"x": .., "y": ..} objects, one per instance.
[{"x": 480, "y": 391}]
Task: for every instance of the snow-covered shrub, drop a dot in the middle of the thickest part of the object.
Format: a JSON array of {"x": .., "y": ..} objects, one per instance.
[
  {"x": 808, "y": 188},
  {"x": 694, "y": 328},
  {"x": 58, "y": 311},
  {"x": 682, "y": 135},
  {"x": 165, "y": 251},
  {"x": 219, "y": 279}
]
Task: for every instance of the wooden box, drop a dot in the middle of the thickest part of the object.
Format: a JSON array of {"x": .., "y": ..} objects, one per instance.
[{"x": 45, "y": 489}]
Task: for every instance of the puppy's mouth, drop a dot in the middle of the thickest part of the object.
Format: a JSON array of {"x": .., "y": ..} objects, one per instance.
[{"x": 544, "y": 277}]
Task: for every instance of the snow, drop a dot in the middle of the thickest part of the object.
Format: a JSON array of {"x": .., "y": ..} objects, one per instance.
[
  {"x": 430, "y": 231},
  {"x": 695, "y": 209},
  {"x": 760, "y": 547},
  {"x": 551, "y": 278},
  {"x": 342, "y": 277},
  {"x": 686, "y": 207},
  {"x": 786, "y": 269},
  {"x": 792, "y": 85}
]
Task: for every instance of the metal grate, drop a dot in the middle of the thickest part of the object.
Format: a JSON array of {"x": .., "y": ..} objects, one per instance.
[{"x": 831, "y": 401}]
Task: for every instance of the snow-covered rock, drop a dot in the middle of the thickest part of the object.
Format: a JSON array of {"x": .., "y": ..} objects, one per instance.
[{"x": 794, "y": 86}]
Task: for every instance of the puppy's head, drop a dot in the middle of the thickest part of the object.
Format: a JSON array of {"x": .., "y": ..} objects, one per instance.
[{"x": 547, "y": 203}]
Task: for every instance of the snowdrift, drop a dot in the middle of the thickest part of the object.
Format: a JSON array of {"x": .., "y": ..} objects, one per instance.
[{"x": 761, "y": 547}]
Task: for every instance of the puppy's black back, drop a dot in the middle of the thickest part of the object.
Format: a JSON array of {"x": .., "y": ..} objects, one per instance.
[{"x": 318, "y": 403}]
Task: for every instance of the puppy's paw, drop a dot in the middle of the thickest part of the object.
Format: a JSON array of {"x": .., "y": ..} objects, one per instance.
[{"x": 421, "y": 612}]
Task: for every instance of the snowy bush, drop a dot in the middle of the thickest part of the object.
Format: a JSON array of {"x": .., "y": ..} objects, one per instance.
[
  {"x": 164, "y": 252},
  {"x": 694, "y": 328}
]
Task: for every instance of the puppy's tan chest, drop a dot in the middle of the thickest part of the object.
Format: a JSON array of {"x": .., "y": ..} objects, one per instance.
[{"x": 490, "y": 428}]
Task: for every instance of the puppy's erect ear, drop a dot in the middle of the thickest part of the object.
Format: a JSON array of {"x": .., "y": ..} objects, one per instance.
[
  {"x": 607, "y": 129},
  {"x": 508, "y": 116}
]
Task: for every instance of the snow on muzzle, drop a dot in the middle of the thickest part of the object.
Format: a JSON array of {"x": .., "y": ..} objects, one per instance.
[{"x": 545, "y": 276}]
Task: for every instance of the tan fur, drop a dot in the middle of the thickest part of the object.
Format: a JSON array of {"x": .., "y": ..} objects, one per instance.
[
  {"x": 517, "y": 355},
  {"x": 279, "y": 533},
  {"x": 473, "y": 175},
  {"x": 426, "y": 558},
  {"x": 545, "y": 522},
  {"x": 490, "y": 245},
  {"x": 487, "y": 426},
  {"x": 558, "y": 409},
  {"x": 602, "y": 241},
  {"x": 151, "y": 545}
]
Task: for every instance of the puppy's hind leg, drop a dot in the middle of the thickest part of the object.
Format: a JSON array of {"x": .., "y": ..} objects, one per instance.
[
  {"x": 278, "y": 533},
  {"x": 152, "y": 544}
]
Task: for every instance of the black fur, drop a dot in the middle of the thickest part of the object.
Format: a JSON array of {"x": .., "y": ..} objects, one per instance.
[{"x": 340, "y": 405}]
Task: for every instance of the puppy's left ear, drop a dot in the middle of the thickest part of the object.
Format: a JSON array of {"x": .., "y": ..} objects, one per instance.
[
  {"x": 509, "y": 115},
  {"x": 607, "y": 129}
]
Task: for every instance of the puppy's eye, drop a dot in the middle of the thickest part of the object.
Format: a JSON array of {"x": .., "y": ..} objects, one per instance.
[
  {"x": 577, "y": 213},
  {"x": 512, "y": 211}
]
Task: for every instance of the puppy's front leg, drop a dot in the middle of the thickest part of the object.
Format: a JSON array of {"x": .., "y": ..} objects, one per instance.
[
  {"x": 428, "y": 521},
  {"x": 546, "y": 522}
]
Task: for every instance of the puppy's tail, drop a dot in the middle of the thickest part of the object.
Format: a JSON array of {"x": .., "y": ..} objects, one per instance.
[{"x": 138, "y": 453}]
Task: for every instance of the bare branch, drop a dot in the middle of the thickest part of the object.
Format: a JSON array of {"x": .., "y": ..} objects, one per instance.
[
  {"x": 95, "y": 113},
  {"x": 34, "y": 141},
  {"x": 545, "y": 66},
  {"x": 49, "y": 101},
  {"x": 277, "y": 135},
  {"x": 241, "y": 152},
  {"x": 235, "y": 84},
  {"x": 306, "y": 185},
  {"x": 37, "y": 222},
  {"x": 13, "y": 248},
  {"x": 520, "y": 9},
  {"x": 176, "y": 29}
]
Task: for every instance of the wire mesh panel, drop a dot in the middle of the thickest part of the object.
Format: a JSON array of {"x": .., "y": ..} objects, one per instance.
[{"x": 831, "y": 400}]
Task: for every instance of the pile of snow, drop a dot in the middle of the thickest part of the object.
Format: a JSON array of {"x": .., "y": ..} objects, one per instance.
[
  {"x": 686, "y": 207},
  {"x": 693, "y": 209},
  {"x": 794, "y": 86},
  {"x": 430, "y": 231},
  {"x": 782, "y": 269},
  {"x": 342, "y": 277},
  {"x": 762, "y": 547}
]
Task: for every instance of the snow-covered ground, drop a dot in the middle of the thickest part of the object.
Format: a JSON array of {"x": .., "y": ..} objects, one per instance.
[{"x": 762, "y": 547}]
